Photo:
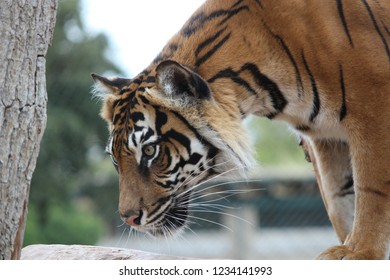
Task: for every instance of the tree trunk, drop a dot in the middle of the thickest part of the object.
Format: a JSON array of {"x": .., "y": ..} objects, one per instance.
[{"x": 26, "y": 29}]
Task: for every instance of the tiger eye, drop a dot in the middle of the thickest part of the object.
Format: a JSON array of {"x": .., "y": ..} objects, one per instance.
[{"x": 149, "y": 150}]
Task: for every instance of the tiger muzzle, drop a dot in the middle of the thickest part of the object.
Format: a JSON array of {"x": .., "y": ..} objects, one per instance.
[{"x": 132, "y": 218}]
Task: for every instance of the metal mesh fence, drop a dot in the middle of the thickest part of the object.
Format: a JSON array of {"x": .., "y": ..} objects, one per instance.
[{"x": 263, "y": 219}]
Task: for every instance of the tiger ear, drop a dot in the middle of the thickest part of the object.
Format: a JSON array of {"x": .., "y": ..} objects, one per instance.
[
  {"x": 107, "y": 90},
  {"x": 105, "y": 85},
  {"x": 178, "y": 82}
]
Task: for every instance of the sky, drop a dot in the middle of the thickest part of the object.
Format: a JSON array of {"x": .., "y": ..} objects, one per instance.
[{"x": 137, "y": 29}]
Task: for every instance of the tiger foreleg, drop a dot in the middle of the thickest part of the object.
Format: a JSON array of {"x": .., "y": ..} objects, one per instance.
[
  {"x": 332, "y": 166},
  {"x": 370, "y": 153}
]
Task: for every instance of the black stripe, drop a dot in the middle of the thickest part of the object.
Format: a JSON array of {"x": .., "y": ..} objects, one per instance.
[
  {"x": 347, "y": 188},
  {"x": 259, "y": 3},
  {"x": 133, "y": 140},
  {"x": 374, "y": 191},
  {"x": 343, "y": 109},
  {"x": 229, "y": 73},
  {"x": 343, "y": 20},
  {"x": 195, "y": 22},
  {"x": 237, "y": 3},
  {"x": 377, "y": 28},
  {"x": 145, "y": 136},
  {"x": 233, "y": 13},
  {"x": 179, "y": 137},
  {"x": 303, "y": 128},
  {"x": 160, "y": 202},
  {"x": 136, "y": 81},
  {"x": 150, "y": 79},
  {"x": 270, "y": 116},
  {"x": 244, "y": 84},
  {"x": 198, "y": 136},
  {"x": 212, "y": 51},
  {"x": 116, "y": 118},
  {"x": 124, "y": 99},
  {"x": 143, "y": 167},
  {"x": 278, "y": 100},
  {"x": 168, "y": 155},
  {"x": 173, "y": 47},
  {"x": 137, "y": 116},
  {"x": 226, "y": 73},
  {"x": 159, "y": 215},
  {"x": 166, "y": 53},
  {"x": 144, "y": 99},
  {"x": 180, "y": 164},
  {"x": 161, "y": 57},
  {"x": 293, "y": 62},
  {"x": 177, "y": 215},
  {"x": 132, "y": 102},
  {"x": 385, "y": 28},
  {"x": 145, "y": 72},
  {"x": 194, "y": 159},
  {"x": 161, "y": 119},
  {"x": 316, "y": 99},
  {"x": 199, "y": 20},
  {"x": 242, "y": 113},
  {"x": 208, "y": 41}
]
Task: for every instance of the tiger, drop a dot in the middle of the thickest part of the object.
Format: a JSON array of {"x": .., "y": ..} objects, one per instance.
[{"x": 323, "y": 67}]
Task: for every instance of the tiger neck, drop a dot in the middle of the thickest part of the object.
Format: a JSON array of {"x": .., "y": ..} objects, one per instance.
[{"x": 227, "y": 51}]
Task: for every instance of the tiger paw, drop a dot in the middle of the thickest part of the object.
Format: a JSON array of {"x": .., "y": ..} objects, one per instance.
[{"x": 343, "y": 253}]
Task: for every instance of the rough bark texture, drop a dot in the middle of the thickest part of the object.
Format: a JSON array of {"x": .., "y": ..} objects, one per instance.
[{"x": 26, "y": 29}]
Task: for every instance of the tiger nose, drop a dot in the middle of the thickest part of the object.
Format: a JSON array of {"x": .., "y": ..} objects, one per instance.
[{"x": 132, "y": 218}]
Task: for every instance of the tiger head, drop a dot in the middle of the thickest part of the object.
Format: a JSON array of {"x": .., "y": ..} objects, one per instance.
[{"x": 168, "y": 134}]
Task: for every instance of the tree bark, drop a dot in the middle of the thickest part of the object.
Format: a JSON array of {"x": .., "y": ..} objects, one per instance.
[{"x": 26, "y": 29}]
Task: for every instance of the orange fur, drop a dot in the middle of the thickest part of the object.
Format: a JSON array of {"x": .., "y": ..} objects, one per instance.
[{"x": 321, "y": 66}]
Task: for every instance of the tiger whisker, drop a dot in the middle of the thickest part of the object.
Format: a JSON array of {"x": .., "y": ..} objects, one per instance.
[
  {"x": 208, "y": 180},
  {"x": 210, "y": 221},
  {"x": 194, "y": 177},
  {"x": 225, "y": 183},
  {"x": 177, "y": 218},
  {"x": 131, "y": 232},
  {"x": 223, "y": 213},
  {"x": 228, "y": 193},
  {"x": 214, "y": 206},
  {"x": 168, "y": 230},
  {"x": 120, "y": 239},
  {"x": 194, "y": 199},
  {"x": 123, "y": 223},
  {"x": 185, "y": 222},
  {"x": 199, "y": 195},
  {"x": 164, "y": 231}
]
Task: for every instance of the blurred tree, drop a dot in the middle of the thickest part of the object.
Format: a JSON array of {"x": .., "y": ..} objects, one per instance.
[{"x": 75, "y": 134}]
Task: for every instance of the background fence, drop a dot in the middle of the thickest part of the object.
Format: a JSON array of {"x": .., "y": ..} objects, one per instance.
[{"x": 273, "y": 218}]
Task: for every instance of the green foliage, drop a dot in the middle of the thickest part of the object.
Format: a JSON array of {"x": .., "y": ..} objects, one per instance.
[
  {"x": 275, "y": 144},
  {"x": 65, "y": 225}
]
